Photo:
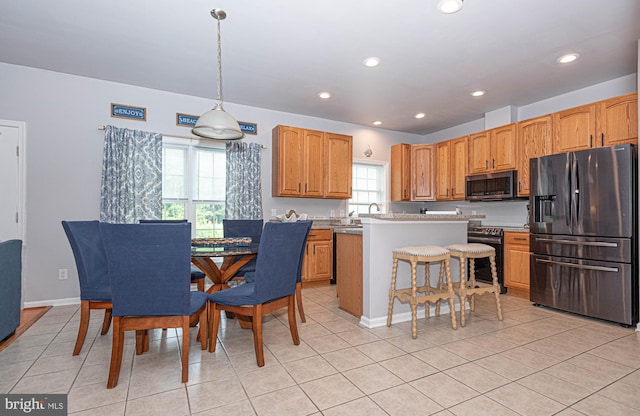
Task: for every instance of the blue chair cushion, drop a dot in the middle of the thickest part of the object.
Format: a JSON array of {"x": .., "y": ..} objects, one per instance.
[
  {"x": 250, "y": 277},
  {"x": 196, "y": 274},
  {"x": 236, "y": 296},
  {"x": 197, "y": 301}
]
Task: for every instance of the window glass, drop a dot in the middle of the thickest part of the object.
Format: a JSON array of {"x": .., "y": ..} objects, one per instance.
[
  {"x": 193, "y": 186},
  {"x": 368, "y": 187}
]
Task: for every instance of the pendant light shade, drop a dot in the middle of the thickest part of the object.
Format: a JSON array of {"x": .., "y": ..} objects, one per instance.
[{"x": 217, "y": 124}]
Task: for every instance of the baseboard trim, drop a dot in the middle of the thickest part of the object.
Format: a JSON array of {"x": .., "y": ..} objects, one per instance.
[{"x": 53, "y": 302}]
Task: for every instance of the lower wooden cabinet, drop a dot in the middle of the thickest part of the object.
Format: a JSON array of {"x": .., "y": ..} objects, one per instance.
[
  {"x": 317, "y": 266},
  {"x": 517, "y": 258},
  {"x": 349, "y": 272}
]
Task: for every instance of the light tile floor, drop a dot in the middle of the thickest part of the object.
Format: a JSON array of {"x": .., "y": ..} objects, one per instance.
[{"x": 535, "y": 362}]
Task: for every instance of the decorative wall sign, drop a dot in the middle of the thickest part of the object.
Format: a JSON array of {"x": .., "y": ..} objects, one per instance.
[
  {"x": 186, "y": 120},
  {"x": 128, "y": 111},
  {"x": 248, "y": 128}
]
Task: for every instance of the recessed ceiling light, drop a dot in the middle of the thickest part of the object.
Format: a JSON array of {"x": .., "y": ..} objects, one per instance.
[
  {"x": 371, "y": 62},
  {"x": 570, "y": 57},
  {"x": 377, "y": 123},
  {"x": 324, "y": 95},
  {"x": 449, "y": 6},
  {"x": 478, "y": 93},
  {"x": 420, "y": 115}
]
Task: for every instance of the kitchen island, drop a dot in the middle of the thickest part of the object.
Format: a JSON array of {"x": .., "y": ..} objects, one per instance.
[{"x": 381, "y": 234}]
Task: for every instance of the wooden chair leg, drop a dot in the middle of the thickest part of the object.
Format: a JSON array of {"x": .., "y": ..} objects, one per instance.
[
  {"x": 392, "y": 290},
  {"x": 185, "y": 348},
  {"x": 84, "y": 326},
  {"x": 214, "y": 323},
  {"x": 106, "y": 323},
  {"x": 299, "y": 299},
  {"x": 200, "y": 284},
  {"x": 293, "y": 326},
  {"x": 257, "y": 334},
  {"x": 116, "y": 353},
  {"x": 140, "y": 341},
  {"x": 202, "y": 330}
]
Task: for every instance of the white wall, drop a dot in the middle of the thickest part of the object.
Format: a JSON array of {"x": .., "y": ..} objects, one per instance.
[{"x": 64, "y": 156}]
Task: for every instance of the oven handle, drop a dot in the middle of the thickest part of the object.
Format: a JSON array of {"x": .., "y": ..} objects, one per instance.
[
  {"x": 580, "y": 266},
  {"x": 578, "y": 243},
  {"x": 493, "y": 240}
]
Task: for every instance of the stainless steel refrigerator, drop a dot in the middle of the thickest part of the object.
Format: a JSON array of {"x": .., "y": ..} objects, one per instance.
[{"x": 584, "y": 233}]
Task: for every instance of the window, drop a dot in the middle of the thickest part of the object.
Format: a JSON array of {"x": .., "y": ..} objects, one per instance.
[
  {"x": 368, "y": 187},
  {"x": 193, "y": 185}
]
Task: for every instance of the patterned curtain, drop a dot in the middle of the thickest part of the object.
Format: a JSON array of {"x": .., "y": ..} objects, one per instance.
[
  {"x": 244, "y": 191},
  {"x": 131, "y": 176}
]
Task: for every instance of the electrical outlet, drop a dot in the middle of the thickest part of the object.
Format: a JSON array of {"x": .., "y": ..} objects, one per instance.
[{"x": 63, "y": 274}]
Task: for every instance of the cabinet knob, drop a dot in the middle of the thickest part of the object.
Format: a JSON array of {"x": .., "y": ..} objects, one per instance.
[
  {"x": 493, "y": 163},
  {"x": 591, "y": 140},
  {"x": 486, "y": 164},
  {"x": 602, "y": 140}
]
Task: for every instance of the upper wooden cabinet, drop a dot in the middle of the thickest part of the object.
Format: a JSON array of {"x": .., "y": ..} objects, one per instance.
[
  {"x": 338, "y": 151},
  {"x": 413, "y": 172},
  {"x": 493, "y": 150},
  {"x": 451, "y": 169},
  {"x": 401, "y": 172},
  {"x": 617, "y": 120},
  {"x": 310, "y": 163},
  {"x": 603, "y": 123},
  {"x": 534, "y": 140},
  {"x": 423, "y": 184},
  {"x": 574, "y": 129}
]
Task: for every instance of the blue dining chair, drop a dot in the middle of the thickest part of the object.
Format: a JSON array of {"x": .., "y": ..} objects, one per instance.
[
  {"x": 91, "y": 262},
  {"x": 10, "y": 286},
  {"x": 148, "y": 266},
  {"x": 273, "y": 287},
  {"x": 244, "y": 228},
  {"x": 197, "y": 276}
]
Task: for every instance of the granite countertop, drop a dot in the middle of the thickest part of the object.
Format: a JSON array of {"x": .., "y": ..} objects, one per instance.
[
  {"x": 515, "y": 229},
  {"x": 348, "y": 230},
  {"x": 422, "y": 217}
]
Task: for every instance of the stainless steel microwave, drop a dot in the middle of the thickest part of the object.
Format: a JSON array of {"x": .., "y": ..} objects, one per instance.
[{"x": 491, "y": 186}]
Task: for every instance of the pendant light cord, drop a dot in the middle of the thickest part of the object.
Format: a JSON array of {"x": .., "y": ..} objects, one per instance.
[{"x": 219, "y": 66}]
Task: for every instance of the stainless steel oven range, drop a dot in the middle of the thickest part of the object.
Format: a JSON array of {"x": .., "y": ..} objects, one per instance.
[{"x": 494, "y": 237}]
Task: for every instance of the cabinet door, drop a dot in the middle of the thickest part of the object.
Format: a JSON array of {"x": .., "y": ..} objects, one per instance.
[
  {"x": 313, "y": 163},
  {"x": 423, "y": 186},
  {"x": 479, "y": 153},
  {"x": 401, "y": 172},
  {"x": 574, "y": 129},
  {"x": 516, "y": 262},
  {"x": 320, "y": 260},
  {"x": 534, "y": 140},
  {"x": 618, "y": 121},
  {"x": 458, "y": 167},
  {"x": 443, "y": 171},
  {"x": 503, "y": 148},
  {"x": 338, "y": 164},
  {"x": 288, "y": 161}
]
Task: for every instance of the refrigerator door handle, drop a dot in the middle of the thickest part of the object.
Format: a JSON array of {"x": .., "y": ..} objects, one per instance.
[
  {"x": 578, "y": 243},
  {"x": 580, "y": 266}
]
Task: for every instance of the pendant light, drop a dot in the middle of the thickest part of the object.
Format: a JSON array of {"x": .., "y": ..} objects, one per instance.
[{"x": 218, "y": 124}]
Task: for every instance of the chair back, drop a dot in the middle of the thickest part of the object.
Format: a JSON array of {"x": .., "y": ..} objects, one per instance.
[
  {"x": 278, "y": 262},
  {"x": 243, "y": 228},
  {"x": 149, "y": 268},
  {"x": 162, "y": 221},
  {"x": 91, "y": 260},
  {"x": 10, "y": 286}
]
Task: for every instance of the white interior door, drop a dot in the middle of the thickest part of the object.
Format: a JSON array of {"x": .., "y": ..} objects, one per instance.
[{"x": 11, "y": 180}]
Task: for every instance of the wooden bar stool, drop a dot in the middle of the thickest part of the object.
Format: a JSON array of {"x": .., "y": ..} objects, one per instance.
[
  {"x": 426, "y": 255},
  {"x": 469, "y": 288}
]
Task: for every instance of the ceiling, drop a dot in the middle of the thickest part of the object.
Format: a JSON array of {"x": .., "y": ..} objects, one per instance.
[{"x": 279, "y": 54}]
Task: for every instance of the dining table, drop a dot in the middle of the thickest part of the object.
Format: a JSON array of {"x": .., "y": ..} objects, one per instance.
[{"x": 233, "y": 258}]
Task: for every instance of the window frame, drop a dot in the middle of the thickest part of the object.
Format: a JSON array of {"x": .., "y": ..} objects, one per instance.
[
  {"x": 191, "y": 145},
  {"x": 384, "y": 204}
]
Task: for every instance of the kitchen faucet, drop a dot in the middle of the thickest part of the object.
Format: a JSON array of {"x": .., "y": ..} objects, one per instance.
[{"x": 372, "y": 204}]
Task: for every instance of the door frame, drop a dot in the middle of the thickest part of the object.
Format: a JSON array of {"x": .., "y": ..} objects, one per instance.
[
  {"x": 22, "y": 194},
  {"x": 22, "y": 176}
]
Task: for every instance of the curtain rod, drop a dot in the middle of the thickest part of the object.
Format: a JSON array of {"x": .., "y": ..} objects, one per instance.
[{"x": 103, "y": 127}]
